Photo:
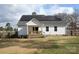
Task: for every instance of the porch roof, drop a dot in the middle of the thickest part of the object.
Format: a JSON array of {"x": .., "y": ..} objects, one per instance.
[{"x": 33, "y": 22}]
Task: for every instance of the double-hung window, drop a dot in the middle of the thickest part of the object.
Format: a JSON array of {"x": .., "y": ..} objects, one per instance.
[
  {"x": 47, "y": 28},
  {"x": 55, "y": 28}
]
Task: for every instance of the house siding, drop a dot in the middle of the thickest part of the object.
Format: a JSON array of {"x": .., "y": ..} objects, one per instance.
[
  {"x": 22, "y": 30},
  {"x": 60, "y": 31}
]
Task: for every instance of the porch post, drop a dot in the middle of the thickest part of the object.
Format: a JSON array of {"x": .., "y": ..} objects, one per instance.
[{"x": 27, "y": 30}]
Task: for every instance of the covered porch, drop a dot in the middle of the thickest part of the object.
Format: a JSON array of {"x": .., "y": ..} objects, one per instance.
[
  {"x": 33, "y": 28},
  {"x": 33, "y": 32}
]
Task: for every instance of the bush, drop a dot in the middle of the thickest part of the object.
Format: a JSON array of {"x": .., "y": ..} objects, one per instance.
[{"x": 8, "y": 34}]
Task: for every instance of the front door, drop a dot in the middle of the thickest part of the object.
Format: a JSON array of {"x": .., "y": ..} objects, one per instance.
[{"x": 35, "y": 30}]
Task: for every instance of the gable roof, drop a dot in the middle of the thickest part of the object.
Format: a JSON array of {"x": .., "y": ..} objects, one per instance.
[{"x": 39, "y": 17}]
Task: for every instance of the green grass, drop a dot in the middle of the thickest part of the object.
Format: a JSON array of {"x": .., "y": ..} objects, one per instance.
[
  {"x": 65, "y": 49},
  {"x": 47, "y": 45}
]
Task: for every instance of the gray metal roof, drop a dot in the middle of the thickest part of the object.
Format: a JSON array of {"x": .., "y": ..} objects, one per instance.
[{"x": 40, "y": 18}]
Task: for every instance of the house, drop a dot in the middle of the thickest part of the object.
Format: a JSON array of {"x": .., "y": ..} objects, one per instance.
[{"x": 40, "y": 24}]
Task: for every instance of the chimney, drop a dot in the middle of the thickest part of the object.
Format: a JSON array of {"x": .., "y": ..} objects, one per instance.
[{"x": 34, "y": 13}]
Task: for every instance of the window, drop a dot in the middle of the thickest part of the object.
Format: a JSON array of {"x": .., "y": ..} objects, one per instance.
[
  {"x": 55, "y": 28},
  {"x": 47, "y": 28}
]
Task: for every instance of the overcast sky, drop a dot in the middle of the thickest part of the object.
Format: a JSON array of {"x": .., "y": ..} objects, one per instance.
[{"x": 12, "y": 12}]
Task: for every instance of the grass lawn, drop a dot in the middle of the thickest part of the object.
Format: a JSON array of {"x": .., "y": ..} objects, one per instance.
[{"x": 47, "y": 45}]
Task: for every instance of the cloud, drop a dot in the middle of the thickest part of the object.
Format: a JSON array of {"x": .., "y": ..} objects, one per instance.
[
  {"x": 12, "y": 13},
  {"x": 55, "y": 9}
]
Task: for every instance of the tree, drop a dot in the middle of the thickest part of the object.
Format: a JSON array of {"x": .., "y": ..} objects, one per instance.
[
  {"x": 16, "y": 32},
  {"x": 1, "y": 28},
  {"x": 8, "y": 27},
  {"x": 73, "y": 23},
  {"x": 71, "y": 20}
]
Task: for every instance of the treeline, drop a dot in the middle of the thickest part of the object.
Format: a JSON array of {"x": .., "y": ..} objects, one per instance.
[{"x": 8, "y": 31}]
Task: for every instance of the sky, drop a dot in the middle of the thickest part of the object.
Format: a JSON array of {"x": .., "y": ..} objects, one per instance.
[{"x": 12, "y": 12}]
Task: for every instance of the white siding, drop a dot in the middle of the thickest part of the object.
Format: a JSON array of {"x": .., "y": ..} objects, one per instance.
[
  {"x": 60, "y": 31},
  {"x": 60, "y": 27},
  {"x": 33, "y": 22},
  {"x": 22, "y": 30}
]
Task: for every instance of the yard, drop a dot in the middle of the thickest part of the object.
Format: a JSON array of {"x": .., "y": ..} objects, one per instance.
[{"x": 47, "y": 45}]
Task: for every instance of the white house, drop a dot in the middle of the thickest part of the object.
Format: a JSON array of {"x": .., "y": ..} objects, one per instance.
[{"x": 46, "y": 25}]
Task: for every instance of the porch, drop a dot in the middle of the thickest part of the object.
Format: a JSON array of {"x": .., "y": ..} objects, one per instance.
[{"x": 33, "y": 32}]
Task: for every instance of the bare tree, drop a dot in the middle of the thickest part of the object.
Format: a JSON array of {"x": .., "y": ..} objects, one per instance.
[{"x": 70, "y": 20}]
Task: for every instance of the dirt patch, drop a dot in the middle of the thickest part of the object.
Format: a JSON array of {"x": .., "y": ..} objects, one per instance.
[{"x": 16, "y": 50}]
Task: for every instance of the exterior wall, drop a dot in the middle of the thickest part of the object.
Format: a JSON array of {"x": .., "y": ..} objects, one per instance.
[
  {"x": 60, "y": 27},
  {"x": 22, "y": 30},
  {"x": 60, "y": 30}
]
